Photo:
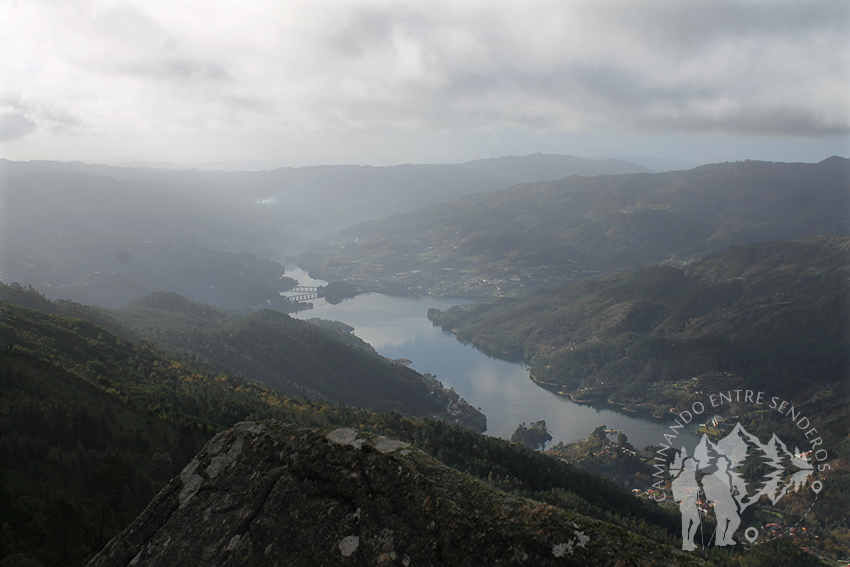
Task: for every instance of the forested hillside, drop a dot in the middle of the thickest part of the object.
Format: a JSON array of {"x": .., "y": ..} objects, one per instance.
[
  {"x": 767, "y": 316},
  {"x": 93, "y": 425},
  {"x": 293, "y": 356},
  {"x": 549, "y": 233},
  {"x": 296, "y": 358}
]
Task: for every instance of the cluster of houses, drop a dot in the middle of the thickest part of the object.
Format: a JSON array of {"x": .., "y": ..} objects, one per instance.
[{"x": 615, "y": 448}]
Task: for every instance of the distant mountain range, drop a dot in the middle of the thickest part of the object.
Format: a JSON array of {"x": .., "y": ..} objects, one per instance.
[
  {"x": 99, "y": 408},
  {"x": 106, "y": 235},
  {"x": 659, "y": 165},
  {"x": 549, "y": 233},
  {"x": 327, "y": 197}
]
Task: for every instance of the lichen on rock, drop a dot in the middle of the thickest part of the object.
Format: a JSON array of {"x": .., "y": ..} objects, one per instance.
[
  {"x": 349, "y": 545},
  {"x": 269, "y": 494}
]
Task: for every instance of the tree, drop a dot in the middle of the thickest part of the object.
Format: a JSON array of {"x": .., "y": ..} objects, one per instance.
[
  {"x": 534, "y": 436},
  {"x": 779, "y": 553},
  {"x": 599, "y": 433}
]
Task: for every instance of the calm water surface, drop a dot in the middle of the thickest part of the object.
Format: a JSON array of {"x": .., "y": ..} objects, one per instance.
[{"x": 398, "y": 328}]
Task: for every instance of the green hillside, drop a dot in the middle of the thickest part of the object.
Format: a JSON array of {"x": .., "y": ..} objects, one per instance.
[
  {"x": 549, "y": 233},
  {"x": 76, "y": 463},
  {"x": 294, "y": 357},
  {"x": 92, "y": 426},
  {"x": 767, "y": 316}
]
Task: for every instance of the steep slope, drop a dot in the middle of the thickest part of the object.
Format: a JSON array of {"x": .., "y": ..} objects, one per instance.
[
  {"x": 30, "y": 298},
  {"x": 77, "y": 464},
  {"x": 151, "y": 379},
  {"x": 296, "y": 358},
  {"x": 775, "y": 313},
  {"x": 273, "y": 494},
  {"x": 91, "y": 425},
  {"x": 130, "y": 405},
  {"x": 548, "y": 233},
  {"x": 293, "y": 356}
]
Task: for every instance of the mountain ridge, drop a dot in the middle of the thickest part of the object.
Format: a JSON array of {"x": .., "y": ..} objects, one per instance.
[
  {"x": 295, "y": 357},
  {"x": 273, "y": 494},
  {"x": 545, "y": 234},
  {"x": 771, "y": 316},
  {"x": 106, "y": 235},
  {"x": 55, "y": 442}
]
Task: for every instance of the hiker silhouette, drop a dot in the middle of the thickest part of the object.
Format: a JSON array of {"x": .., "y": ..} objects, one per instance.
[
  {"x": 685, "y": 491},
  {"x": 718, "y": 489}
]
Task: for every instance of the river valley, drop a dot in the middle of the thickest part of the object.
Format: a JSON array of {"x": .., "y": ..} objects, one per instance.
[{"x": 397, "y": 327}]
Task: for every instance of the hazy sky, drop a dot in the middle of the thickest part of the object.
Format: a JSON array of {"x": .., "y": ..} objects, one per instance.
[{"x": 319, "y": 82}]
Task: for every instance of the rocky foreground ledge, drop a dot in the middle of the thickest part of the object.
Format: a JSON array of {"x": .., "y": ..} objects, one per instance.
[{"x": 269, "y": 494}]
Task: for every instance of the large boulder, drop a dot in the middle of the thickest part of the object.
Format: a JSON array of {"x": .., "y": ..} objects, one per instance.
[{"x": 268, "y": 493}]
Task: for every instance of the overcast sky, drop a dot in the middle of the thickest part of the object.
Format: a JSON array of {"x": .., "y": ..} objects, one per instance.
[{"x": 319, "y": 82}]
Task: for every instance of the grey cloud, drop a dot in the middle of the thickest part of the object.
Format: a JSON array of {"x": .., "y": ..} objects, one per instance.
[
  {"x": 602, "y": 84},
  {"x": 672, "y": 24},
  {"x": 19, "y": 118},
  {"x": 251, "y": 104},
  {"x": 151, "y": 50},
  {"x": 186, "y": 69},
  {"x": 62, "y": 118},
  {"x": 368, "y": 28},
  {"x": 617, "y": 91},
  {"x": 750, "y": 67},
  {"x": 14, "y": 125},
  {"x": 130, "y": 25},
  {"x": 176, "y": 69},
  {"x": 589, "y": 97},
  {"x": 778, "y": 121},
  {"x": 14, "y": 100},
  {"x": 363, "y": 30}
]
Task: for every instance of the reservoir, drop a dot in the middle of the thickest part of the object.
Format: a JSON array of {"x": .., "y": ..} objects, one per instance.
[{"x": 398, "y": 327}]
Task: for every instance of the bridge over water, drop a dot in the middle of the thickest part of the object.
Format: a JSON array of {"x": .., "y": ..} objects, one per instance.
[
  {"x": 301, "y": 293},
  {"x": 306, "y": 293}
]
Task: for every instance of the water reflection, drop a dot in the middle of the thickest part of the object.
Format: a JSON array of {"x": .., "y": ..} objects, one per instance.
[{"x": 399, "y": 328}]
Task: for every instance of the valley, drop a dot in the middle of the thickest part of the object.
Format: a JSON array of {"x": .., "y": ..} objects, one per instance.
[
  {"x": 546, "y": 234},
  {"x": 455, "y": 283},
  {"x": 136, "y": 330},
  {"x": 93, "y": 421},
  {"x": 398, "y": 328}
]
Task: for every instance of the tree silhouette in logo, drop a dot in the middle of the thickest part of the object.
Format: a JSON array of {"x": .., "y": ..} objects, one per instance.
[{"x": 729, "y": 492}]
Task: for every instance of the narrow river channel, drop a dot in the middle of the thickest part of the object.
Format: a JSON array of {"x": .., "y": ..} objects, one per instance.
[{"x": 399, "y": 328}]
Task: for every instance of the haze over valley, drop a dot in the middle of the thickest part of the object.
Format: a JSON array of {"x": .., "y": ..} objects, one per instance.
[
  {"x": 612, "y": 287},
  {"x": 446, "y": 283}
]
